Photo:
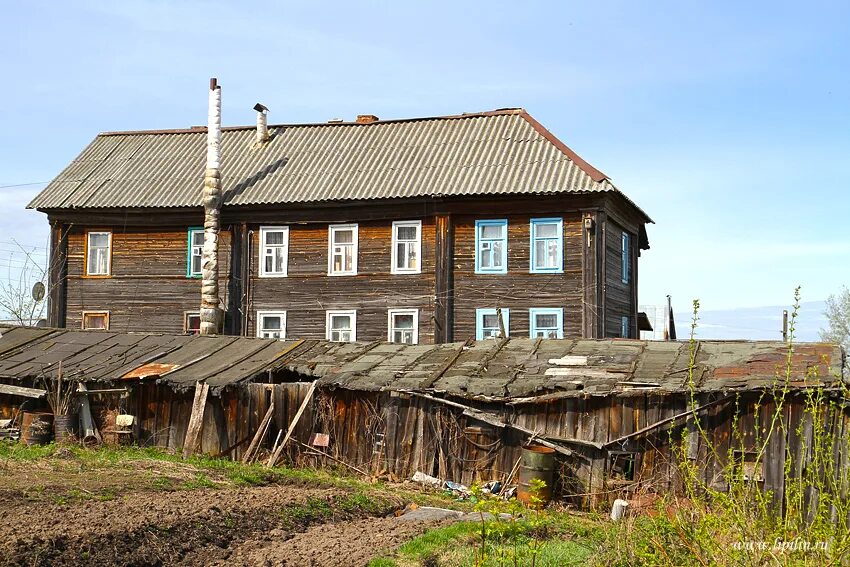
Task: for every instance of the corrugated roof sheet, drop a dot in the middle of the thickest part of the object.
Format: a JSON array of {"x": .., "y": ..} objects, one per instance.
[
  {"x": 513, "y": 369},
  {"x": 499, "y": 152}
]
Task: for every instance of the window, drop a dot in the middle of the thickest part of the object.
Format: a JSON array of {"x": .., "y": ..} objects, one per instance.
[
  {"x": 546, "y": 323},
  {"x": 271, "y": 324},
  {"x": 491, "y": 247},
  {"x": 195, "y": 252},
  {"x": 627, "y": 264},
  {"x": 95, "y": 320},
  {"x": 192, "y": 323},
  {"x": 98, "y": 254},
  {"x": 342, "y": 250},
  {"x": 625, "y": 327},
  {"x": 621, "y": 465},
  {"x": 274, "y": 250},
  {"x": 403, "y": 326},
  {"x": 487, "y": 323},
  {"x": 341, "y": 326},
  {"x": 407, "y": 247},
  {"x": 547, "y": 238}
]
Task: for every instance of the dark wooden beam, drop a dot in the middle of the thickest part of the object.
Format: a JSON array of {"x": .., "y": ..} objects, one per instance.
[
  {"x": 444, "y": 285},
  {"x": 235, "y": 281},
  {"x": 57, "y": 275}
]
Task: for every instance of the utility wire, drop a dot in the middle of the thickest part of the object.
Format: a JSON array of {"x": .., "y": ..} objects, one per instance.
[{"x": 23, "y": 184}]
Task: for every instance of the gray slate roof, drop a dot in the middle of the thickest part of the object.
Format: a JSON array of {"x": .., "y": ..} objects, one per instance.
[
  {"x": 514, "y": 369},
  {"x": 498, "y": 152}
]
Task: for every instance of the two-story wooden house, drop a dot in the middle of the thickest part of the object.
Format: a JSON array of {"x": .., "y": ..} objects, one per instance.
[{"x": 412, "y": 230}]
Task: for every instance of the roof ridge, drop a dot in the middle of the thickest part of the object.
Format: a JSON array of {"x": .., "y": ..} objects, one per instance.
[{"x": 198, "y": 129}]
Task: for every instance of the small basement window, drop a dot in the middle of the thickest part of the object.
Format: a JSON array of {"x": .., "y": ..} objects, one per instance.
[
  {"x": 271, "y": 324},
  {"x": 98, "y": 253},
  {"x": 746, "y": 467},
  {"x": 95, "y": 320},
  {"x": 487, "y": 323},
  {"x": 196, "y": 252},
  {"x": 621, "y": 465},
  {"x": 547, "y": 323},
  {"x": 403, "y": 326},
  {"x": 341, "y": 326},
  {"x": 192, "y": 323}
]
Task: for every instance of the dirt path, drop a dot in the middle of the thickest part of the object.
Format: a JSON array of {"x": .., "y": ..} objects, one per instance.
[{"x": 343, "y": 544}]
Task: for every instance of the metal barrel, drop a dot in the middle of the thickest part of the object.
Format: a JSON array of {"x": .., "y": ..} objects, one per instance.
[
  {"x": 537, "y": 463},
  {"x": 65, "y": 427},
  {"x": 36, "y": 428}
]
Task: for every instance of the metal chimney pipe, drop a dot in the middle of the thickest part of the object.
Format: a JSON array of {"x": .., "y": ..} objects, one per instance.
[
  {"x": 262, "y": 123},
  {"x": 212, "y": 318}
]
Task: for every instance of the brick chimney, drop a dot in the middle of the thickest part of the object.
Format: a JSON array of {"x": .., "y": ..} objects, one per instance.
[{"x": 366, "y": 118}]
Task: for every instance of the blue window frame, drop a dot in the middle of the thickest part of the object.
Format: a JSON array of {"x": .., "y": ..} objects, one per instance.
[
  {"x": 546, "y": 323},
  {"x": 547, "y": 246},
  {"x": 627, "y": 258},
  {"x": 625, "y": 327},
  {"x": 491, "y": 246},
  {"x": 487, "y": 323},
  {"x": 194, "y": 252}
]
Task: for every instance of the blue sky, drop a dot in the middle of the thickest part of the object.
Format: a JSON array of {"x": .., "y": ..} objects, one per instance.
[{"x": 728, "y": 122}]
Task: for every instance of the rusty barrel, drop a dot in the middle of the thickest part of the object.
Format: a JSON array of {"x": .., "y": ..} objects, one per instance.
[
  {"x": 537, "y": 463},
  {"x": 65, "y": 427},
  {"x": 36, "y": 428}
]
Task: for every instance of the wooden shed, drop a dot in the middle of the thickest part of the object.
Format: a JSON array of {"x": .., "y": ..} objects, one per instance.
[{"x": 462, "y": 411}]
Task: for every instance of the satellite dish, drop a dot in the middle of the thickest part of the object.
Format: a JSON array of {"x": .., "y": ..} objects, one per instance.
[{"x": 38, "y": 291}]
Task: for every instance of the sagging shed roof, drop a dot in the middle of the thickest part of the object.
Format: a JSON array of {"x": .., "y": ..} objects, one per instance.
[
  {"x": 498, "y": 152},
  {"x": 510, "y": 369}
]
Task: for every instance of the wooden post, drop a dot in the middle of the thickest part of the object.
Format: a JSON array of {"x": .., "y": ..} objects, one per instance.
[
  {"x": 57, "y": 275},
  {"x": 258, "y": 436},
  {"x": 196, "y": 419},
  {"x": 279, "y": 449},
  {"x": 444, "y": 284}
]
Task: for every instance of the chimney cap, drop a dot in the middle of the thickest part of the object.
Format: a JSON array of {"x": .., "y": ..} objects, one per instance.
[
  {"x": 214, "y": 84},
  {"x": 260, "y": 107},
  {"x": 366, "y": 118}
]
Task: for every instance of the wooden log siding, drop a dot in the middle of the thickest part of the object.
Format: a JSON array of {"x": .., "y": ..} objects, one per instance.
[
  {"x": 148, "y": 289},
  {"x": 619, "y": 296},
  {"x": 307, "y": 291},
  {"x": 518, "y": 290}
]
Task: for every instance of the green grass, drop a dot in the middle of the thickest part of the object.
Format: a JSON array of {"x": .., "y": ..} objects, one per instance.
[{"x": 571, "y": 541}]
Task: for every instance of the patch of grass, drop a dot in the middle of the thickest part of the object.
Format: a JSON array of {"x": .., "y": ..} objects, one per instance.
[
  {"x": 200, "y": 481},
  {"x": 19, "y": 452},
  {"x": 383, "y": 562}
]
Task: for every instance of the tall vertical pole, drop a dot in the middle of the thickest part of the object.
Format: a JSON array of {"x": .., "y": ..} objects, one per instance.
[
  {"x": 785, "y": 325},
  {"x": 211, "y": 313}
]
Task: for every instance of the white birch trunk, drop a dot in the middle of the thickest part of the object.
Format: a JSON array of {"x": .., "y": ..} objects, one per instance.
[{"x": 211, "y": 313}]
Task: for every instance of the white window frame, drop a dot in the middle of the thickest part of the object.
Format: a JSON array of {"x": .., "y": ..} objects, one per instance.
[
  {"x": 261, "y": 314},
  {"x": 333, "y": 312},
  {"x": 479, "y": 322},
  {"x": 390, "y": 327},
  {"x": 264, "y": 230},
  {"x": 108, "y": 271},
  {"x": 186, "y": 315},
  {"x": 535, "y": 311},
  {"x": 95, "y": 312},
  {"x": 394, "y": 269},
  {"x": 332, "y": 229},
  {"x": 559, "y": 268}
]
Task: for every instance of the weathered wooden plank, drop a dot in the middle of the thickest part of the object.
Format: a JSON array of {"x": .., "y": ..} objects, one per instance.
[
  {"x": 308, "y": 398},
  {"x": 196, "y": 419}
]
